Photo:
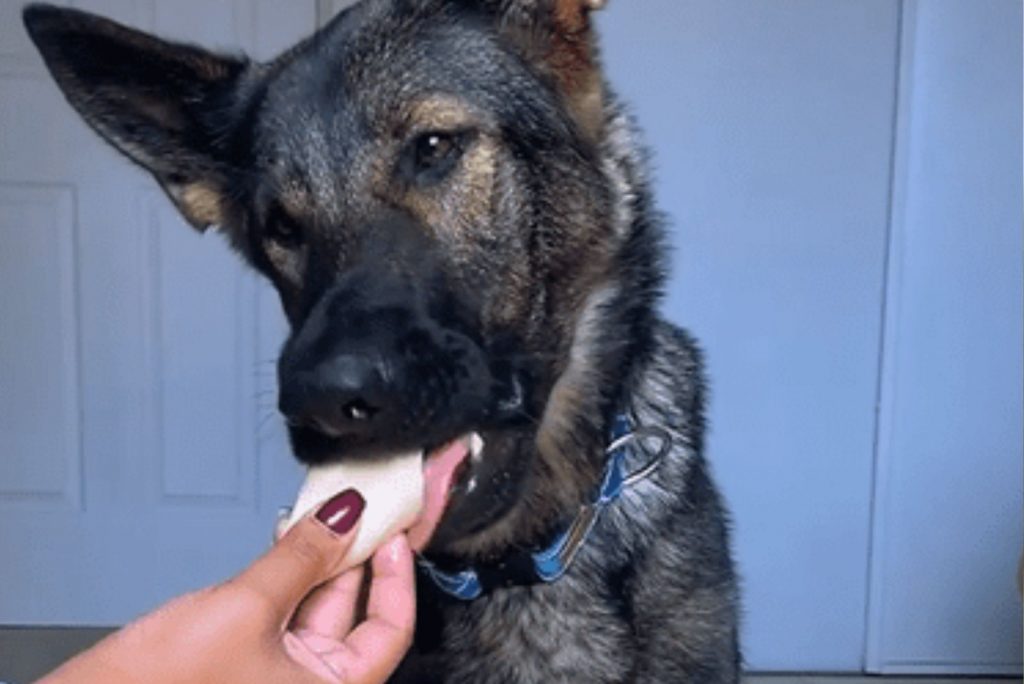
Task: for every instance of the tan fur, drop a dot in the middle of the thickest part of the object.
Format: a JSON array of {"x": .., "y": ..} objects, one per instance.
[
  {"x": 199, "y": 202},
  {"x": 573, "y": 57},
  {"x": 438, "y": 113},
  {"x": 573, "y": 395},
  {"x": 288, "y": 262},
  {"x": 464, "y": 204},
  {"x": 588, "y": 105},
  {"x": 470, "y": 204},
  {"x": 575, "y": 386},
  {"x": 295, "y": 201}
]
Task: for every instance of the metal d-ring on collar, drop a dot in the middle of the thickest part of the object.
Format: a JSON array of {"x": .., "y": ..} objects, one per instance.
[
  {"x": 548, "y": 564},
  {"x": 641, "y": 433}
]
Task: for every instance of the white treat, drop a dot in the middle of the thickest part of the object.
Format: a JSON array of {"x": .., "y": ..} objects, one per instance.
[{"x": 392, "y": 488}]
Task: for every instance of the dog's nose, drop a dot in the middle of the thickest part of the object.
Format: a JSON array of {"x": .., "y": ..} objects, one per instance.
[{"x": 342, "y": 396}]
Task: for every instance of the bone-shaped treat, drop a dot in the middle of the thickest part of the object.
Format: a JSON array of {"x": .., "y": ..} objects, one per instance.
[{"x": 392, "y": 488}]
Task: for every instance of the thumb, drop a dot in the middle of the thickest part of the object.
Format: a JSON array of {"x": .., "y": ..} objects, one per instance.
[{"x": 309, "y": 554}]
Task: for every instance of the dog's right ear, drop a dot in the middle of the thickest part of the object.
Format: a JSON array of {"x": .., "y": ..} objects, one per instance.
[
  {"x": 558, "y": 36},
  {"x": 169, "y": 107}
]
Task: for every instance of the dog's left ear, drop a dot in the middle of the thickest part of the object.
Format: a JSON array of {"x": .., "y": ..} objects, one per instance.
[
  {"x": 558, "y": 36},
  {"x": 169, "y": 107}
]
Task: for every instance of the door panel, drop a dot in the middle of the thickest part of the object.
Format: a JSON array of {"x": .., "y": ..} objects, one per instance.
[
  {"x": 201, "y": 364},
  {"x": 135, "y": 460},
  {"x": 39, "y": 338}
]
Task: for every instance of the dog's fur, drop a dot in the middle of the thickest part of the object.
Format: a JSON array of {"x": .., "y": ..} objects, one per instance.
[{"x": 451, "y": 188}]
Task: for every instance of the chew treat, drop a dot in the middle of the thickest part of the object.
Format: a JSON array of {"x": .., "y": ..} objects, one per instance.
[{"x": 392, "y": 488}]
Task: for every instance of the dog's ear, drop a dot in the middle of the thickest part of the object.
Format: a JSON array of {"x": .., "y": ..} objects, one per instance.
[
  {"x": 558, "y": 36},
  {"x": 169, "y": 107}
]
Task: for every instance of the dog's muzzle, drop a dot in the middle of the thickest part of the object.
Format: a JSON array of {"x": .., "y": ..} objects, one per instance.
[{"x": 370, "y": 370}]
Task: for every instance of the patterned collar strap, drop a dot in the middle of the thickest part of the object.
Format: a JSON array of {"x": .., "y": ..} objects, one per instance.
[{"x": 549, "y": 564}]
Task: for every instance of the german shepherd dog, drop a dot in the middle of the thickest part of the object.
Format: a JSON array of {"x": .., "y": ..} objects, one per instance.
[{"x": 455, "y": 211}]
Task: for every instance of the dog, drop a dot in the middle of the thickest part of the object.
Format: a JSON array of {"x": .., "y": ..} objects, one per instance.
[{"x": 455, "y": 210}]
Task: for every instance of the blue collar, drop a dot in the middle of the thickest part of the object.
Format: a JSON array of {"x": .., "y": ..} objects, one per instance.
[{"x": 550, "y": 563}]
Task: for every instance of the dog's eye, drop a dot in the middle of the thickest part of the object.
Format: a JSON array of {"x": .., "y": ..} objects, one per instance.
[
  {"x": 433, "y": 155},
  {"x": 433, "y": 148},
  {"x": 282, "y": 228}
]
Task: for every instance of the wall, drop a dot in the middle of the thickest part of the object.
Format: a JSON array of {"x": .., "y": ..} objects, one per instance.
[
  {"x": 771, "y": 125},
  {"x": 775, "y": 127}
]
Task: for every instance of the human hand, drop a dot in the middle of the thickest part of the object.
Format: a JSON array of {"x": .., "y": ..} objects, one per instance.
[{"x": 282, "y": 620}]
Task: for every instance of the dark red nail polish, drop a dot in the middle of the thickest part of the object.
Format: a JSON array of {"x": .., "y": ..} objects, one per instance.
[{"x": 341, "y": 512}]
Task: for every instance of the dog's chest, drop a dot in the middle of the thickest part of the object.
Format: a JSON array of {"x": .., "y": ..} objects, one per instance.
[{"x": 548, "y": 633}]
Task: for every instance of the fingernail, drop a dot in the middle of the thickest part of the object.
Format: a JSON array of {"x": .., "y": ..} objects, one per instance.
[{"x": 342, "y": 511}]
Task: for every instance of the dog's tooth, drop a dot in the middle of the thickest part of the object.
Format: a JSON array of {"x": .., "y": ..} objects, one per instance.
[{"x": 476, "y": 447}]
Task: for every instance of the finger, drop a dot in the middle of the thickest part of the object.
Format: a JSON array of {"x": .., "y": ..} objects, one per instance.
[
  {"x": 299, "y": 664},
  {"x": 375, "y": 648},
  {"x": 330, "y": 610},
  {"x": 309, "y": 554},
  {"x": 304, "y": 664}
]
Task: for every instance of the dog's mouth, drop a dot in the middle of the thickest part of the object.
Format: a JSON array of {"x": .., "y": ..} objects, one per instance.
[
  {"x": 448, "y": 473},
  {"x": 464, "y": 490}
]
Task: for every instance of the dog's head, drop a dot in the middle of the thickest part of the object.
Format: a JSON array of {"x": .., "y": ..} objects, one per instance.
[{"x": 422, "y": 182}]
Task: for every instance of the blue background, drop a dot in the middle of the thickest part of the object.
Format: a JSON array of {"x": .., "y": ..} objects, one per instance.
[{"x": 843, "y": 184}]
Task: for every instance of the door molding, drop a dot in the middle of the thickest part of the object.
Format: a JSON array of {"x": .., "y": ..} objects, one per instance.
[{"x": 879, "y": 656}]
